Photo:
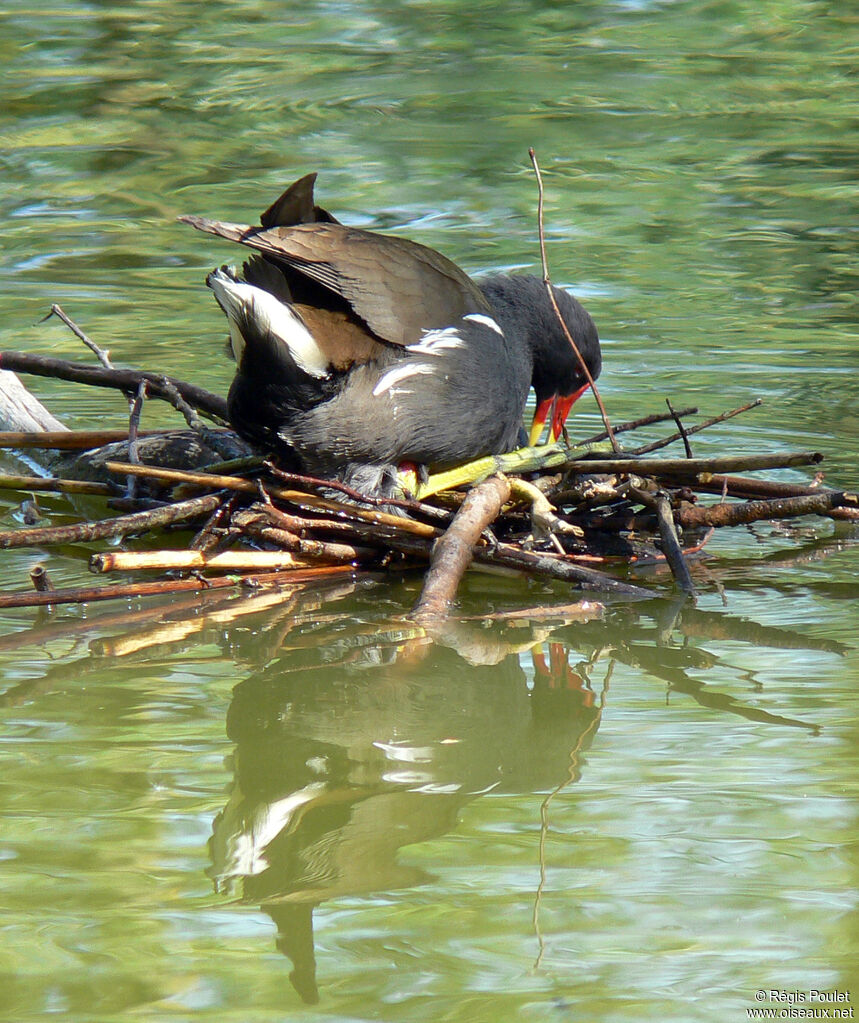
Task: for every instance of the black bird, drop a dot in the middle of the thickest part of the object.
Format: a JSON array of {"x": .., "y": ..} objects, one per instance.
[{"x": 358, "y": 351}]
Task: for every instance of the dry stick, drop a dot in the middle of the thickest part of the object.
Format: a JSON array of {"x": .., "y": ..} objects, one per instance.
[
  {"x": 634, "y": 424},
  {"x": 750, "y": 489},
  {"x": 100, "y": 353},
  {"x": 692, "y": 516},
  {"x": 547, "y": 281},
  {"x": 69, "y": 440},
  {"x": 453, "y": 552},
  {"x": 166, "y": 561},
  {"x": 657, "y": 444},
  {"x": 690, "y": 467},
  {"x": 681, "y": 429},
  {"x": 56, "y": 486},
  {"x": 122, "y": 379},
  {"x": 671, "y": 544},
  {"x": 744, "y": 486},
  {"x": 210, "y": 480},
  {"x": 89, "y": 594},
  {"x": 85, "y": 532}
]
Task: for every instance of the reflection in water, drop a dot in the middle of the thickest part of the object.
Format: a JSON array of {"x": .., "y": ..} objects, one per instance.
[
  {"x": 337, "y": 770},
  {"x": 357, "y": 735}
]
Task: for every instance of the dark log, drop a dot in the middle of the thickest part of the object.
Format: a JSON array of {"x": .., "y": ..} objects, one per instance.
[
  {"x": 671, "y": 545},
  {"x": 694, "y": 516}
]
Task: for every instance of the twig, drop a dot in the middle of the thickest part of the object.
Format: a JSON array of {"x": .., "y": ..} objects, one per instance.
[
  {"x": 101, "y": 354},
  {"x": 121, "y": 379},
  {"x": 547, "y": 281},
  {"x": 85, "y": 532},
  {"x": 657, "y": 444},
  {"x": 453, "y": 552},
  {"x": 681, "y": 429},
  {"x": 635, "y": 424},
  {"x": 90, "y": 594}
]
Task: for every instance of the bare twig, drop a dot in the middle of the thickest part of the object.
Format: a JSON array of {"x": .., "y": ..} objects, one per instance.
[
  {"x": 657, "y": 444},
  {"x": 101, "y": 354},
  {"x": 547, "y": 281},
  {"x": 681, "y": 429},
  {"x": 133, "y": 427}
]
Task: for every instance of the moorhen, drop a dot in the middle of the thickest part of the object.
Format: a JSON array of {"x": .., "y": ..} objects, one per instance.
[{"x": 358, "y": 351}]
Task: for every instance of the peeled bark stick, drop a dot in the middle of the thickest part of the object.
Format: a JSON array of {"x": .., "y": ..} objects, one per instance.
[
  {"x": 122, "y": 379},
  {"x": 85, "y": 532},
  {"x": 693, "y": 516},
  {"x": 452, "y": 553},
  {"x": 210, "y": 480},
  {"x": 116, "y": 591},
  {"x": 226, "y": 561},
  {"x": 55, "y": 486},
  {"x": 671, "y": 544},
  {"x": 69, "y": 440}
]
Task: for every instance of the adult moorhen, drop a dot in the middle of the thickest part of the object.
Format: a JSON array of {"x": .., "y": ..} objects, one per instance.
[{"x": 358, "y": 351}]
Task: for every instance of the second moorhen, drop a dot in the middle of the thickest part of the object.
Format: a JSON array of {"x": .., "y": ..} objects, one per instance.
[{"x": 358, "y": 351}]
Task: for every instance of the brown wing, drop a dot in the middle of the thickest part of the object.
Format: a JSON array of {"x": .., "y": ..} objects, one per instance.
[{"x": 397, "y": 287}]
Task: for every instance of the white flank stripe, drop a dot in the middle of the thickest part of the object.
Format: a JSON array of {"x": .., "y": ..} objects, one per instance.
[
  {"x": 435, "y": 341},
  {"x": 394, "y": 376},
  {"x": 487, "y": 321}
]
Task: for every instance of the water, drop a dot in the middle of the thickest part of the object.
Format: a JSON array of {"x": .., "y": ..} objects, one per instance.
[{"x": 651, "y": 816}]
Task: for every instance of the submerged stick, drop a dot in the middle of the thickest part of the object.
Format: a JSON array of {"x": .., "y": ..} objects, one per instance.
[
  {"x": 671, "y": 544},
  {"x": 453, "y": 552},
  {"x": 85, "y": 532},
  {"x": 116, "y": 591},
  {"x": 126, "y": 380}
]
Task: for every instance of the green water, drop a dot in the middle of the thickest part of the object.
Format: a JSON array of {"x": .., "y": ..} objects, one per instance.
[{"x": 651, "y": 816}]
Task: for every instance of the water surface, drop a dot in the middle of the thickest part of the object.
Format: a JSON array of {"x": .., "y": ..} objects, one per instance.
[{"x": 235, "y": 808}]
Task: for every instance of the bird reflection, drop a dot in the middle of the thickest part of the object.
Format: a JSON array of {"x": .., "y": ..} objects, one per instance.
[{"x": 335, "y": 771}]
